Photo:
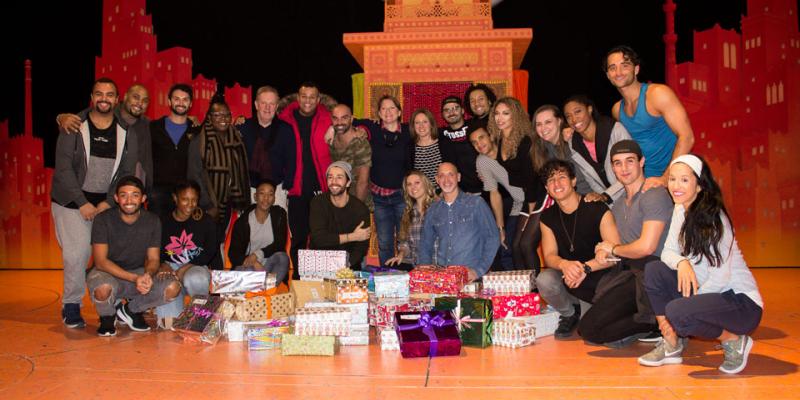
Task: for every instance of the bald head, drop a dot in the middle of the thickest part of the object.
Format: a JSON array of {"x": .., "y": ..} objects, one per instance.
[
  {"x": 136, "y": 100},
  {"x": 447, "y": 177}
]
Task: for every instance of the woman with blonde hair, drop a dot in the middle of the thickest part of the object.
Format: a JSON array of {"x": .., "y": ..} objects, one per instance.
[
  {"x": 418, "y": 194},
  {"x": 510, "y": 127}
]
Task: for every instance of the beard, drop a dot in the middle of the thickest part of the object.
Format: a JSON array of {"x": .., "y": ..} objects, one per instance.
[{"x": 178, "y": 112}]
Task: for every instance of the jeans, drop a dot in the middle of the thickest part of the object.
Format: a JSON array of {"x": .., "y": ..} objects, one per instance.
[
  {"x": 702, "y": 315},
  {"x": 388, "y": 212},
  {"x": 122, "y": 289},
  {"x": 611, "y": 317},
  {"x": 299, "y": 208},
  {"x": 195, "y": 283},
  {"x": 277, "y": 264}
]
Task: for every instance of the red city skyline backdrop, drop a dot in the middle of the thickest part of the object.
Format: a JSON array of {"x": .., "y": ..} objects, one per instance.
[{"x": 740, "y": 89}]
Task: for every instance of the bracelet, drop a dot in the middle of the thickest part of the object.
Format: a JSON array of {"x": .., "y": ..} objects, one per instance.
[{"x": 612, "y": 249}]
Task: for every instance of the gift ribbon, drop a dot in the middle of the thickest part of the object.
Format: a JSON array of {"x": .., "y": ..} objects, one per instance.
[
  {"x": 276, "y": 323},
  {"x": 428, "y": 325},
  {"x": 465, "y": 320},
  {"x": 202, "y": 312}
]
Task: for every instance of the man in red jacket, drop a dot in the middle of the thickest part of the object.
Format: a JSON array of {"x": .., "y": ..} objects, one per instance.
[{"x": 309, "y": 123}]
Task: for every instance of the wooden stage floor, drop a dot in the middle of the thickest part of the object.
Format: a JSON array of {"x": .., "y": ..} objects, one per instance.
[{"x": 41, "y": 359}]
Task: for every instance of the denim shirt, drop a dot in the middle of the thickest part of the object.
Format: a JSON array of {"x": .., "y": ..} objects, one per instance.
[{"x": 465, "y": 231}]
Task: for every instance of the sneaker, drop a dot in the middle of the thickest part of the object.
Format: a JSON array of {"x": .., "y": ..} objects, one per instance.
[
  {"x": 652, "y": 337},
  {"x": 107, "y": 326},
  {"x": 165, "y": 323},
  {"x": 71, "y": 315},
  {"x": 135, "y": 321},
  {"x": 736, "y": 352},
  {"x": 566, "y": 325},
  {"x": 664, "y": 354}
]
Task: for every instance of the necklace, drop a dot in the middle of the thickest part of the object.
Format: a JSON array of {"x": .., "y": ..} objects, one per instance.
[{"x": 570, "y": 237}]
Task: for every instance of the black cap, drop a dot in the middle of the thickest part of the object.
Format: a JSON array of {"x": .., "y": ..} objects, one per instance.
[
  {"x": 626, "y": 146},
  {"x": 451, "y": 99}
]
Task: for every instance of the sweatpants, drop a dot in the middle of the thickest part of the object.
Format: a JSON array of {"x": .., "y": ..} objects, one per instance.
[
  {"x": 74, "y": 235},
  {"x": 702, "y": 315}
]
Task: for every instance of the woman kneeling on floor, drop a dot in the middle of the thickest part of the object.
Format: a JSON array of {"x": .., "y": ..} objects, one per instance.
[{"x": 713, "y": 294}]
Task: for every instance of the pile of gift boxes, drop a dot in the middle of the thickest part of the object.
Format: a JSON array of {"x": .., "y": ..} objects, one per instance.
[{"x": 430, "y": 311}]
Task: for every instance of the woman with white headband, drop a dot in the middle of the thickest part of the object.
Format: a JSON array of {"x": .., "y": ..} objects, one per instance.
[{"x": 703, "y": 288}]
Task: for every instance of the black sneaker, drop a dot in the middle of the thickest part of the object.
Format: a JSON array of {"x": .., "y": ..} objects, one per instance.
[
  {"x": 135, "y": 321},
  {"x": 566, "y": 325},
  {"x": 107, "y": 326},
  {"x": 71, "y": 315},
  {"x": 652, "y": 337}
]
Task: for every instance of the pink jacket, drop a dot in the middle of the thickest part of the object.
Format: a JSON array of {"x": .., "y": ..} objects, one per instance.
[{"x": 319, "y": 149}]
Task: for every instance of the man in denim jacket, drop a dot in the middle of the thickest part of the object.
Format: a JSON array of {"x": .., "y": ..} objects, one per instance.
[{"x": 461, "y": 224}]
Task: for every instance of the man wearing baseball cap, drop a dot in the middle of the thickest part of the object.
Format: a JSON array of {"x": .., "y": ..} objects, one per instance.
[
  {"x": 456, "y": 147},
  {"x": 337, "y": 220}
]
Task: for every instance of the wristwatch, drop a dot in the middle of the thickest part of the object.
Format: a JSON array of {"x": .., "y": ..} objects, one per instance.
[{"x": 587, "y": 269}]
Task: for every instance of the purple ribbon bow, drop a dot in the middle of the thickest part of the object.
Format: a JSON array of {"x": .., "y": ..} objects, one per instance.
[
  {"x": 428, "y": 324},
  {"x": 202, "y": 312}
]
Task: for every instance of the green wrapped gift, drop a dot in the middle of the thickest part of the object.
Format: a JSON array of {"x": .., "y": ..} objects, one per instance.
[
  {"x": 296, "y": 345},
  {"x": 474, "y": 318}
]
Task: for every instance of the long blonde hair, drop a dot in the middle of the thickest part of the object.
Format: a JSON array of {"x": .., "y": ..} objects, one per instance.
[
  {"x": 430, "y": 195},
  {"x": 520, "y": 127}
]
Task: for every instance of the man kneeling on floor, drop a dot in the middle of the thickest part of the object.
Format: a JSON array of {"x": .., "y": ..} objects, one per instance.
[{"x": 125, "y": 248}]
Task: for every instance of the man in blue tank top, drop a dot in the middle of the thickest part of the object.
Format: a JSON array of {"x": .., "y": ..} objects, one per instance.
[{"x": 652, "y": 114}]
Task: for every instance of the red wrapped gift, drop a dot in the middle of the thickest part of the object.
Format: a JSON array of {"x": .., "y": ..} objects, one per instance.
[
  {"x": 427, "y": 333},
  {"x": 515, "y": 305},
  {"x": 381, "y": 311},
  {"x": 438, "y": 280}
]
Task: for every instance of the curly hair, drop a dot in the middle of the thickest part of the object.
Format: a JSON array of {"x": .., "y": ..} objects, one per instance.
[
  {"x": 431, "y": 120},
  {"x": 703, "y": 228},
  {"x": 539, "y": 154},
  {"x": 430, "y": 195},
  {"x": 520, "y": 126}
]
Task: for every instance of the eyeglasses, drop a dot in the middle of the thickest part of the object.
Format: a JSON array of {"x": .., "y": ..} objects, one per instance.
[
  {"x": 451, "y": 109},
  {"x": 220, "y": 115},
  {"x": 389, "y": 139}
]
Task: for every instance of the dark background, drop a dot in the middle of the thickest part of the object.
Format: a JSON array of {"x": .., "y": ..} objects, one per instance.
[{"x": 282, "y": 43}]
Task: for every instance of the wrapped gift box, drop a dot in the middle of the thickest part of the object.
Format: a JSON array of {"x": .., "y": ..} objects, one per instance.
[
  {"x": 509, "y": 282},
  {"x": 307, "y": 291},
  {"x": 472, "y": 289},
  {"x": 224, "y": 282},
  {"x": 441, "y": 280},
  {"x": 382, "y": 310},
  {"x": 281, "y": 305},
  {"x": 324, "y": 321},
  {"x": 358, "y": 311},
  {"x": 199, "y": 321},
  {"x": 545, "y": 323},
  {"x": 473, "y": 316},
  {"x": 515, "y": 305},
  {"x": 514, "y": 333},
  {"x": 267, "y": 336},
  {"x": 391, "y": 284},
  {"x": 359, "y": 336},
  {"x": 298, "y": 345},
  {"x": 389, "y": 340},
  {"x": 252, "y": 309},
  {"x": 319, "y": 264},
  {"x": 236, "y": 331},
  {"x": 346, "y": 291},
  {"x": 427, "y": 333}
]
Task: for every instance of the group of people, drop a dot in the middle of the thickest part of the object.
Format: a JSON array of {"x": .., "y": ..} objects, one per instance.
[{"x": 627, "y": 219}]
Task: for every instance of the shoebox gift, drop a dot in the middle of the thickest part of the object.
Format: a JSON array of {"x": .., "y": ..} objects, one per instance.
[
  {"x": 513, "y": 305},
  {"x": 391, "y": 284},
  {"x": 358, "y": 311},
  {"x": 514, "y": 332},
  {"x": 369, "y": 272},
  {"x": 302, "y": 345},
  {"x": 307, "y": 291},
  {"x": 442, "y": 280},
  {"x": 346, "y": 291},
  {"x": 223, "y": 282},
  {"x": 381, "y": 311},
  {"x": 236, "y": 331},
  {"x": 319, "y": 264},
  {"x": 267, "y": 335},
  {"x": 359, "y": 336},
  {"x": 473, "y": 318},
  {"x": 388, "y": 338},
  {"x": 509, "y": 282},
  {"x": 199, "y": 321},
  {"x": 427, "y": 333},
  {"x": 325, "y": 321}
]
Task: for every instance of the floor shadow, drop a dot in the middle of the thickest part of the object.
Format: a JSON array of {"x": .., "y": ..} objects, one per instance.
[
  {"x": 757, "y": 365},
  {"x": 767, "y": 333}
]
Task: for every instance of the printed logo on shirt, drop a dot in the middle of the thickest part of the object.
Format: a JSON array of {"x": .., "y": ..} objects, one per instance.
[
  {"x": 458, "y": 135},
  {"x": 181, "y": 250},
  {"x": 100, "y": 139}
]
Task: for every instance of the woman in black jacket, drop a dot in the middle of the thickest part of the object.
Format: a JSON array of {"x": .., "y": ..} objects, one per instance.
[{"x": 258, "y": 241}]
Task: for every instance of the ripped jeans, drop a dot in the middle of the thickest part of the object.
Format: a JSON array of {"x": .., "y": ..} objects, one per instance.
[
  {"x": 195, "y": 282},
  {"x": 122, "y": 289}
]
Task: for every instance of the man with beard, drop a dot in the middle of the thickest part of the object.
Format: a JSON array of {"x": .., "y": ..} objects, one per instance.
[
  {"x": 339, "y": 221},
  {"x": 87, "y": 167},
  {"x": 125, "y": 247},
  {"x": 270, "y": 145},
  {"x": 456, "y": 147},
  {"x": 351, "y": 147},
  {"x": 462, "y": 225},
  {"x": 170, "y": 137},
  {"x": 131, "y": 113},
  {"x": 652, "y": 114}
]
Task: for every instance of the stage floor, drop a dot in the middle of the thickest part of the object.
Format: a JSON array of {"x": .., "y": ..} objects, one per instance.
[{"x": 41, "y": 359}]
